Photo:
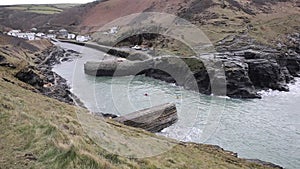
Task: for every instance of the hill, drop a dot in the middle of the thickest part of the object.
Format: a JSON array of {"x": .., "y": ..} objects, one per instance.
[{"x": 264, "y": 21}]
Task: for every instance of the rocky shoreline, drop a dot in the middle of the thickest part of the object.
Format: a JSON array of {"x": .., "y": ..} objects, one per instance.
[
  {"x": 265, "y": 67},
  {"x": 47, "y": 82},
  {"x": 250, "y": 68},
  {"x": 247, "y": 70}
]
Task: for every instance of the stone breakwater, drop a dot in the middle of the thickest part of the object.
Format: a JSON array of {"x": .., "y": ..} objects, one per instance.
[{"x": 246, "y": 71}]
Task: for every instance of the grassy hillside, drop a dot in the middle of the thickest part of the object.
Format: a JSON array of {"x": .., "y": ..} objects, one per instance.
[
  {"x": 264, "y": 21},
  {"x": 267, "y": 23},
  {"x": 40, "y": 132},
  {"x": 41, "y": 9},
  {"x": 249, "y": 22}
]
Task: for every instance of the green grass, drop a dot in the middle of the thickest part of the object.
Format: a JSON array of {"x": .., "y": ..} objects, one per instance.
[
  {"x": 64, "y": 6},
  {"x": 42, "y": 9},
  {"x": 47, "y": 12}
]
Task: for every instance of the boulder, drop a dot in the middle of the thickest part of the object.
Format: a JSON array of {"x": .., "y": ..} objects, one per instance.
[
  {"x": 29, "y": 76},
  {"x": 152, "y": 119},
  {"x": 5, "y": 63},
  {"x": 2, "y": 58},
  {"x": 293, "y": 65}
]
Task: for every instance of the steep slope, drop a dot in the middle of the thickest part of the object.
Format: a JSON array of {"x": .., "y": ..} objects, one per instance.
[{"x": 108, "y": 11}]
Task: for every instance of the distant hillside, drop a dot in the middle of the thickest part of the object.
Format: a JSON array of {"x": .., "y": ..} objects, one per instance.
[{"x": 264, "y": 20}]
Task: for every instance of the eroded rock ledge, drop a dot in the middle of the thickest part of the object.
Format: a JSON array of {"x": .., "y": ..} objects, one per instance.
[
  {"x": 47, "y": 82},
  {"x": 152, "y": 119}
]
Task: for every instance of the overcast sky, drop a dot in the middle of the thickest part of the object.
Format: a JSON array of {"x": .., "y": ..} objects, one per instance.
[{"x": 14, "y": 2}]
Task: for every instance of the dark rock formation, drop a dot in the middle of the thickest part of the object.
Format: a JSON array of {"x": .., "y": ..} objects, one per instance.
[
  {"x": 55, "y": 86},
  {"x": 107, "y": 115},
  {"x": 288, "y": 77},
  {"x": 267, "y": 164},
  {"x": 159, "y": 74},
  {"x": 292, "y": 62},
  {"x": 27, "y": 75},
  {"x": 153, "y": 119},
  {"x": 5, "y": 63},
  {"x": 190, "y": 73},
  {"x": 45, "y": 80},
  {"x": 266, "y": 74},
  {"x": 55, "y": 55},
  {"x": 2, "y": 58},
  {"x": 247, "y": 68},
  {"x": 293, "y": 67},
  {"x": 238, "y": 82}
]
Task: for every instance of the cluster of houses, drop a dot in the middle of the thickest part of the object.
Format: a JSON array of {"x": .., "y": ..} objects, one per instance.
[{"x": 51, "y": 34}]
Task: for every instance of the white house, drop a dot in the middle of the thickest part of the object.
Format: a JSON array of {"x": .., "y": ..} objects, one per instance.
[
  {"x": 21, "y": 35},
  {"x": 81, "y": 38},
  {"x": 30, "y": 36},
  {"x": 40, "y": 34},
  {"x": 71, "y": 36},
  {"x": 51, "y": 31},
  {"x": 51, "y": 36},
  {"x": 13, "y": 32},
  {"x": 113, "y": 30},
  {"x": 62, "y": 33},
  {"x": 33, "y": 29}
]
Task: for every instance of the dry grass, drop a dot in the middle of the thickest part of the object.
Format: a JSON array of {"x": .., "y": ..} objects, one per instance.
[
  {"x": 50, "y": 130},
  {"x": 282, "y": 19}
]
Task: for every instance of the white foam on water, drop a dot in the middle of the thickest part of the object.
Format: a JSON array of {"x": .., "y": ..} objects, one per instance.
[{"x": 294, "y": 90}]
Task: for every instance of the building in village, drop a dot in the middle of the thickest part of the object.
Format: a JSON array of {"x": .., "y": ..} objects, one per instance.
[
  {"x": 82, "y": 38},
  {"x": 40, "y": 35},
  {"x": 33, "y": 29},
  {"x": 30, "y": 36},
  {"x": 13, "y": 33},
  {"x": 71, "y": 36},
  {"x": 62, "y": 33},
  {"x": 113, "y": 30},
  {"x": 50, "y": 36}
]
